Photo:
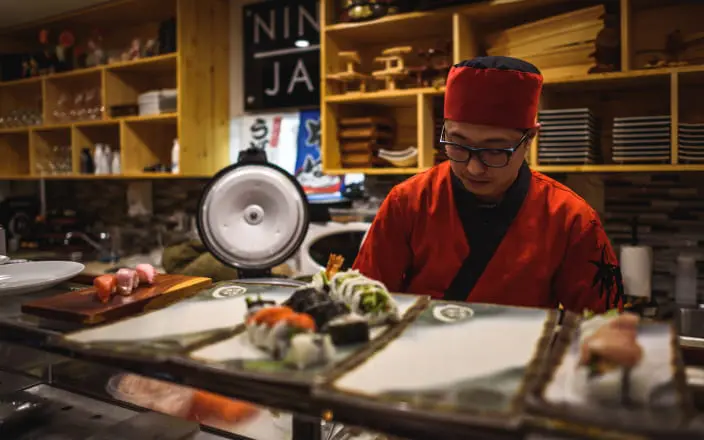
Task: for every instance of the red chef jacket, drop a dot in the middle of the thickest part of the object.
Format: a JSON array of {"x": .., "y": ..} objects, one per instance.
[{"x": 541, "y": 246}]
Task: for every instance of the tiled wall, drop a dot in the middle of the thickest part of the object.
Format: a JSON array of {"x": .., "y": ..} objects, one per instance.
[
  {"x": 670, "y": 212},
  {"x": 670, "y": 209}
]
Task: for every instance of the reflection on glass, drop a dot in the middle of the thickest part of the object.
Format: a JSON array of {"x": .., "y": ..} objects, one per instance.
[{"x": 56, "y": 160}]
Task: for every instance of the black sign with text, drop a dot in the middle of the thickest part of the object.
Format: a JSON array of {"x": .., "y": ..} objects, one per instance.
[{"x": 281, "y": 54}]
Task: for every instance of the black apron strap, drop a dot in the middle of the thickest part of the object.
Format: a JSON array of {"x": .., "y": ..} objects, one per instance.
[{"x": 485, "y": 228}]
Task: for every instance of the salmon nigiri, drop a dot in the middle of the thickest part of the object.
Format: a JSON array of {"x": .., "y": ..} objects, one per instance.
[{"x": 105, "y": 286}]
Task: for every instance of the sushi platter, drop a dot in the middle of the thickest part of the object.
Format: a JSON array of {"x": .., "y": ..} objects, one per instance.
[
  {"x": 86, "y": 307},
  {"x": 617, "y": 374}
]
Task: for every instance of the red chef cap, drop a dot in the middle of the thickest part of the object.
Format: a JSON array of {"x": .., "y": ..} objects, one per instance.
[{"x": 497, "y": 91}]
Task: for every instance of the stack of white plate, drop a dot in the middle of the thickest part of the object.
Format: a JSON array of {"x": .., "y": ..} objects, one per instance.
[
  {"x": 691, "y": 142},
  {"x": 568, "y": 136},
  {"x": 641, "y": 139}
]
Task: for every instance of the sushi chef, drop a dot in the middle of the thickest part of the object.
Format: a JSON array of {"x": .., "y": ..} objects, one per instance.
[{"x": 482, "y": 226}]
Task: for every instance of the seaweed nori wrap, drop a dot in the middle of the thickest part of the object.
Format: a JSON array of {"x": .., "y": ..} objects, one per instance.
[
  {"x": 305, "y": 298},
  {"x": 325, "y": 312}
]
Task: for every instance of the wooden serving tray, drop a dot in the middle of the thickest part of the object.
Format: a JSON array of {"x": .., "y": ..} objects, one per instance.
[{"x": 82, "y": 306}]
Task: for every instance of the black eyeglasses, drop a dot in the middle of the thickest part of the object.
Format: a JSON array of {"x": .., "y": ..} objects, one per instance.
[{"x": 491, "y": 157}]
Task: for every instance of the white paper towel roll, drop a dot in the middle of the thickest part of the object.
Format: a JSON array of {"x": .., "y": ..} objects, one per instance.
[{"x": 637, "y": 270}]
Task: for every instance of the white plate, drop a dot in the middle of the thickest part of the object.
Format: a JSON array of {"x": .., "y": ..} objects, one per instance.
[{"x": 33, "y": 276}]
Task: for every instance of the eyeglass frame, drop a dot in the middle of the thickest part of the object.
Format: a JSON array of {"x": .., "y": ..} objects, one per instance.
[{"x": 475, "y": 150}]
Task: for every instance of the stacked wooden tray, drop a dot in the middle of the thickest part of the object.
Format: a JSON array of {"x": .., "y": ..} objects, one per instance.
[
  {"x": 361, "y": 138},
  {"x": 641, "y": 139},
  {"x": 691, "y": 142},
  {"x": 568, "y": 136},
  {"x": 561, "y": 45}
]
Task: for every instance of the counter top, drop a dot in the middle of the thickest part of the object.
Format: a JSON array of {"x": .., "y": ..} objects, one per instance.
[{"x": 94, "y": 268}]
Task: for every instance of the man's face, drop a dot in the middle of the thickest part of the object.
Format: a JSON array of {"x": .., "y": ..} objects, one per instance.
[{"x": 483, "y": 181}]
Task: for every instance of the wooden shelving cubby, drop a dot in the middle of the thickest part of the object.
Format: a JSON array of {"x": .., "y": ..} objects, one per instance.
[
  {"x": 124, "y": 82},
  {"x": 14, "y": 151},
  {"x": 72, "y": 109},
  {"x": 86, "y": 136},
  {"x": 648, "y": 81},
  {"x": 148, "y": 142}
]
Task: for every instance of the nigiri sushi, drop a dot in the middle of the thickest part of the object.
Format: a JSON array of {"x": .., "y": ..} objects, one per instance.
[
  {"x": 609, "y": 353},
  {"x": 127, "y": 281},
  {"x": 146, "y": 273},
  {"x": 105, "y": 286}
]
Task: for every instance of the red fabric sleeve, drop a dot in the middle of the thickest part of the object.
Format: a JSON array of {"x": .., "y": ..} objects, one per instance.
[
  {"x": 589, "y": 277},
  {"x": 386, "y": 254}
]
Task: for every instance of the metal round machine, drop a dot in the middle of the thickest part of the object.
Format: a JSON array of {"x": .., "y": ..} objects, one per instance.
[{"x": 253, "y": 215}]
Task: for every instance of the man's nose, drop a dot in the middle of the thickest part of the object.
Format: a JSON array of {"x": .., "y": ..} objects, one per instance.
[{"x": 475, "y": 166}]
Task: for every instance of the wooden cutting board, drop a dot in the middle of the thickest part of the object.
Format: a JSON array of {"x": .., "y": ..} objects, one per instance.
[{"x": 83, "y": 306}]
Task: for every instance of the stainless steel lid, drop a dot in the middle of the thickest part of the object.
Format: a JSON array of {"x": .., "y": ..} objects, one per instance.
[{"x": 253, "y": 216}]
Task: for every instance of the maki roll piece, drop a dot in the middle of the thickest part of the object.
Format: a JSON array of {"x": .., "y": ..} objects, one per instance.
[
  {"x": 305, "y": 298},
  {"x": 348, "y": 329},
  {"x": 309, "y": 349},
  {"x": 254, "y": 305},
  {"x": 260, "y": 323},
  {"x": 279, "y": 338},
  {"x": 365, "y": 297},
  {"x": 326, "y": 311}
]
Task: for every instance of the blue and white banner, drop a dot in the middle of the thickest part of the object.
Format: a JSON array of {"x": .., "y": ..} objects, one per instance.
[
  {"x": 309, "y": 166},
  {"x": 292, "y": 141}
]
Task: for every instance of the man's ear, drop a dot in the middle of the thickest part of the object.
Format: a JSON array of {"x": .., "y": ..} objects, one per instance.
[{"x": 533, "y": 132}]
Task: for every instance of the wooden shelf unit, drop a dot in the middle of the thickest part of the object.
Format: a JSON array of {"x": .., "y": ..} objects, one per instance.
[
  {"x": 629, "y": 92},
  {"x": 199, "y": 71}
]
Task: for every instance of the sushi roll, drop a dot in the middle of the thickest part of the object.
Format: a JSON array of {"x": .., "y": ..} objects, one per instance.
[
  {"x": 326, "y": 311},
  {"x": 309, "y": 349},
  {"x": 146, "y": 273},
  {"x": 254, "y": 305},
  {"x": 365, "y": 297},
  {"x": 321, "y": 280},
  {"x": 105, "y": 287},
  {"x": 127, "y": 281},
  {"x": 279, "y": 338},
  {"x": 260, "y": 323},
  {"x": 348, "y": 329},
  {"x": 304, "y": 298}
]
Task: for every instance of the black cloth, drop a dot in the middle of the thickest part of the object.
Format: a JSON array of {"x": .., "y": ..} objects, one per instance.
[{"x": 484, "y": 227}]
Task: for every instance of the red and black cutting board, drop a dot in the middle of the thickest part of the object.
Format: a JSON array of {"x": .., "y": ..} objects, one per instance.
[{"x": 83, "y": 306}]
